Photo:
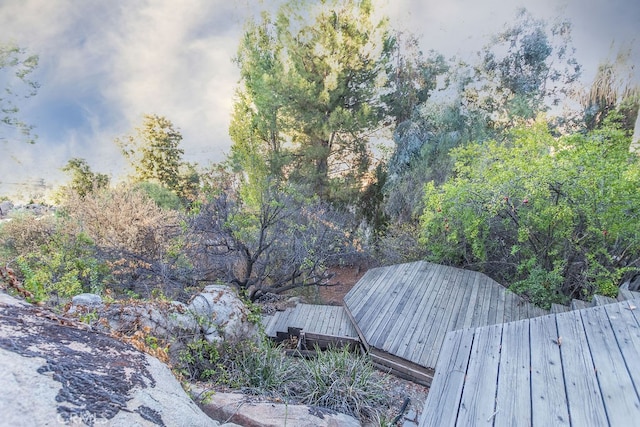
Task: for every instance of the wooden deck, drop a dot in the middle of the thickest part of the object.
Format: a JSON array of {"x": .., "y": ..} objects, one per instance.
[
  {"x": 575, "y": 368},
  {"x": 403, "y": 312},
  {"x": 320, "y": 324}
]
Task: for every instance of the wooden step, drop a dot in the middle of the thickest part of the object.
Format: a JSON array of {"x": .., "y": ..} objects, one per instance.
[
  {"x": 578, "y": 304},
  {"x": 625, "y": 294},
  {"x": 601, "y": 300},
  {"x": 559, "y": 308}
]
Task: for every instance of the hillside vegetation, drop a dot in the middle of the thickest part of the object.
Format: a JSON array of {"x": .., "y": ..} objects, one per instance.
[{"x": 506, "y": 166}]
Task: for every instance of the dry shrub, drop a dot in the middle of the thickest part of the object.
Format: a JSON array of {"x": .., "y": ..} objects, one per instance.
[
  {"x": 137, "y": 238},
  {"x": 26, "y": 233}
]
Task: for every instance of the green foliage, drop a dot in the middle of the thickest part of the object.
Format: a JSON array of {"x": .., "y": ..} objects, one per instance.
[
  {"x": 613, "y": 91},
  {"x": 533, "y": 209},
  {"x": 336, "y": 379},
  {"x": 526, "y": 68},
  {"x": 542, "y": 288},
  {"x": 261, "y": 368},
  {"x": 16, "y": 68},
  {"x": 162, "y": 196},
  {"x": 199, "y": 360},
  {"x": 83, "y": 179},
  {"x": 308, "y": 96},
  {"x": 154, "y": 152},
  {"x": 411, "y": 77},
  {"x": 286, "y": 241},
  {"x": 63, "y": 267}
]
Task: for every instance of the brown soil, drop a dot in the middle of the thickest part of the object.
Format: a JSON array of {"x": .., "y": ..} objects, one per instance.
[{"x": 340, "y": 284}]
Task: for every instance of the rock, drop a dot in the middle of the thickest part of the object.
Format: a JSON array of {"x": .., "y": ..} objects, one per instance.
[
  {"x": 5, "y": 207},
  {"x": 216, "y": 314},
  {"x": 222, "y": 315},
  {"x": 85, "y": 302},
  {"x": 248, "y": 412},
  {"x": 56, "y": 371},
  {"x": 294, "y": 301}
]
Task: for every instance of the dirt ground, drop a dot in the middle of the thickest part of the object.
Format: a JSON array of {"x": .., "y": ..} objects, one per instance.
[{"x": 340, "y": 284}]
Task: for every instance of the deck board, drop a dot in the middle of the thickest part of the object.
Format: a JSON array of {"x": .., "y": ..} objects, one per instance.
[
  {"x": 617, "y": 387},
  {"x": 577, "y": 368},
  {"x": 465, "y": 301},
  {"x": 469, "y": 309},
  {"x": 580, "y": 379},
  {"x": 548, "y": 396},
  {"x": 381, "y": 304},
  {"x": 410, "y": 325},
  {"x": 627, "y": 331},
  {"x": 431, "y": 319},
  {"x": 449, "y": 379},
  {"x": 397, "y": 327},
  {"x": 406, "y": 310},
  {"x": 384, "y": 324},
  {"x": 513, "y": 399},
  {"x": 477, "y": 404},
  {"x": 449, "y": 309},
  {"x": 358, "y": 297}
]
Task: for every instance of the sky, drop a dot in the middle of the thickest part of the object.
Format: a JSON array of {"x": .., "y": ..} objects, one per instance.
[{"x": 106, "y": 63}]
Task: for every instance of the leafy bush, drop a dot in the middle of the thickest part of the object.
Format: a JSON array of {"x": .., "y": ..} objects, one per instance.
[
  {"x": 54, "y": 260},
  {"x": 199, "y": 360},
  {"x": 541, "y": 287},
  {"x": 261, "y": 368},
  {"x": 140, "y": 242},
  {"x": 557, "y": 217},
  {"x": 163, "y": 197}
]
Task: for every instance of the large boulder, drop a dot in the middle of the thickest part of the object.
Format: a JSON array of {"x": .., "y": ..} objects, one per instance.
[
  {"x": 57, "y": 371},
  {"x": 223, "y": 316}
]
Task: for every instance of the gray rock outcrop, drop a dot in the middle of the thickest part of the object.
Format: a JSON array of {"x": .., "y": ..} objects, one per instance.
[
  {"x": 222, "y": 314},
  {"x": 56, "y": 371},
  {"x": 249, "y": 412},
  {"x": 216, "y": 314}
]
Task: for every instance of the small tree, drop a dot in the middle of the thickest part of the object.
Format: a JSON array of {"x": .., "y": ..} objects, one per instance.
[
  {"x": 83, "y": 179},
  {"x": 310, "y": 80},
  {"x": 154, "y": 151},
  {"x": 284, "y": 243},
  {"x": 140, "y": 242}
]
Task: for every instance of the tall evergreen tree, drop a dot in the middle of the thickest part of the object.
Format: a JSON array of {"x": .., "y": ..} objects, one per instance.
[{"x": 310, "y": 83}]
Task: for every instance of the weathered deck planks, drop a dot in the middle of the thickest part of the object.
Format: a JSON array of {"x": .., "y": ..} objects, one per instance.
[
  {"x": 580, "y": 381},
  {"x": 513, "y": 399},
  {"x": 571, "y": 368},
  {"x": 620, "y": 399},
  {"x": 477, "y": 404},
  {"x": 406, "y": 310},
  {"x": 548, "y": 396},
  {"x": 324, "y": 320},
  {"x": 450, "y": 378}
]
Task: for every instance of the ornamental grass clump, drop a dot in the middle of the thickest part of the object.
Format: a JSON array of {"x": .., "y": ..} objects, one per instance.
[{"x": 343, "y": 381}]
